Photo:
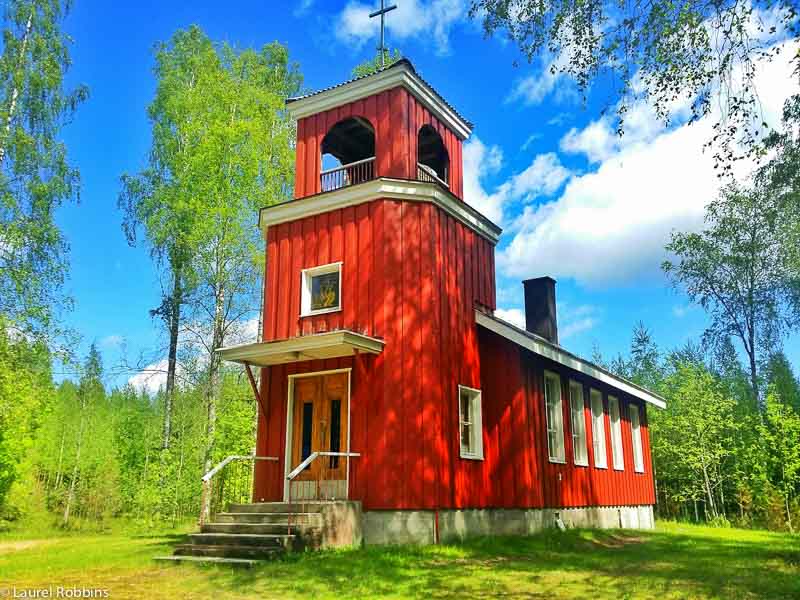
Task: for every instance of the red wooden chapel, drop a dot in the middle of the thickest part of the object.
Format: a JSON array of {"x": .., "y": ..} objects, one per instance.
[{"x": 386, "y": 379}]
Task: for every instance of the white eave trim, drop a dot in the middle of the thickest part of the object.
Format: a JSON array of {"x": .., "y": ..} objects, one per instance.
[
  {"x": 376, "y": 189},
  {"x": 318, "y": 346},
  {"x": 401, "y": 75},
  {"x": 544, "y": 348}
]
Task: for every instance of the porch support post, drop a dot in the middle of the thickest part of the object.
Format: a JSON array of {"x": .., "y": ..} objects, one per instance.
[{"x": 256, "y": 392}]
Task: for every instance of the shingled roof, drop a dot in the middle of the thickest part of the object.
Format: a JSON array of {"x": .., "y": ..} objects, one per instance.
[{"x": 400, "y": 63}]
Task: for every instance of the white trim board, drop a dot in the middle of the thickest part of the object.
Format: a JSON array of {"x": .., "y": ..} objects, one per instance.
[
  {"x": 331, "y": 344},
  {"x": 376, "y": 189},
  {"x": 544, "y": 348},
  {"x": 402, "y": 75}
]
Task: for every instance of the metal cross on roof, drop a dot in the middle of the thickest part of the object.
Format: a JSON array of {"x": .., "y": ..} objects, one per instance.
[{"x": 382, "y": 12}]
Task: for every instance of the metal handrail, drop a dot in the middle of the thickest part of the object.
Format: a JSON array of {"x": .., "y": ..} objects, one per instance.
[
  {"x": 302, "y": 466},
  {"x": 205, "y": 501}
]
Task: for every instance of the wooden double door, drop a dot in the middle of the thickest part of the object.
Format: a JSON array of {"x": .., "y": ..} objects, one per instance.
[{"x": 320, "y": 424}]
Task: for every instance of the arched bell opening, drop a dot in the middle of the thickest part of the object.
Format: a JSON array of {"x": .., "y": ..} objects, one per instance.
[
  {"x": 433, "y": 162},
  {"x": 348, "y": 154}
]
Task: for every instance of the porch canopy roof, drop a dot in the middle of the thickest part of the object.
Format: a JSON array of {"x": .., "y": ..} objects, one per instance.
[{"x": 331, "y": 344}]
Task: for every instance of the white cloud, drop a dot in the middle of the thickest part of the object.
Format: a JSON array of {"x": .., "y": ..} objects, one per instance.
[
  {"x": 575, "y": 327},
  {"x": 153, "y": 377},
  {"x": 572, "y": 320},
  {"x": 111, "y": 341},
  {"x": 150, "y": 379},
  {"x": 550, "y": 80},
  {"x": 479, "y": 162},
  {"x": 511, "y": 315},
  {"x": 681, "y": 310},
  {"x": 531, "y": 138},
  {"x": 303, "y": 6},
  {"x": 611, "y": 225},
  {"x": 413, "y": 18},
  {"x": 543, "y": 177}
]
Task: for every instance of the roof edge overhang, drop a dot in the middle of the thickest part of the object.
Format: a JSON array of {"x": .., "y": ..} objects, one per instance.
[
  {"x": 377, "y": 189},
  {"x": 542, "y": 347},
  {"x": 318, "y": 346},
  {"x": 400, "y": 74}
]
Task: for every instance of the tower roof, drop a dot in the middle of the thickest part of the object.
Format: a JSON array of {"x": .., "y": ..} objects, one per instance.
[{"x": 401, "y": 73}]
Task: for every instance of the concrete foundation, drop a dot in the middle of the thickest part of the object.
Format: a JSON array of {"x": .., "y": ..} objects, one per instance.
[
  {"x": 340, "y": 524},
  {"x": 418, "y": 526}
]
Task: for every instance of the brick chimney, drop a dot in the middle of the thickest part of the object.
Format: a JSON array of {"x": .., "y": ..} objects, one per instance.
[{"x": 540, "y": 307}]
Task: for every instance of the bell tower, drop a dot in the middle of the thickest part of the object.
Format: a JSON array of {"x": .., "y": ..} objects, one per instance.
[
  {"x": 389, "y": 124},
  {"x": 376, "y": 268}
]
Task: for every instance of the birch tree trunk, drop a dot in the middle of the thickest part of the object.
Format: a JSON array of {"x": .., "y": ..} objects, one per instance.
[
  {"x": 173, "y": 321},
  {"x": 76, "y": 469},
  {"x": 12, "y": 106}
]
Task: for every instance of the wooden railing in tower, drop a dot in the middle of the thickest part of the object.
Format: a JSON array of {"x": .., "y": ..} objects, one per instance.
[{"x": 350, "y": 174}]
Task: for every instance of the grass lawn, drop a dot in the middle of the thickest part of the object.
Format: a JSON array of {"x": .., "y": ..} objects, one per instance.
[{"x": 675, "y": 561}]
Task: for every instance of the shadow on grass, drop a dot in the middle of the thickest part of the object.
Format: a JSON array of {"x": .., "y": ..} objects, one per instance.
[{"x": 689, "y": 564}]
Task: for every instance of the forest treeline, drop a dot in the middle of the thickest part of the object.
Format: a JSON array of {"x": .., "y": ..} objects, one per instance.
[
  {"x": 75, "y": 449},
  {"x": 719, "y": 455}
]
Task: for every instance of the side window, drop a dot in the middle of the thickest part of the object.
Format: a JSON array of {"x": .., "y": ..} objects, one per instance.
[
  {"x": 555, "y": 417},
  {"x": 321, "y": 290},
  {"x": 636, "y": 434},
  {"x": 470, "y": 424},
  {"x": 578, "y": 422},
  {"x": 616, "y": 434},
  {"x": 598, "y": 430}
]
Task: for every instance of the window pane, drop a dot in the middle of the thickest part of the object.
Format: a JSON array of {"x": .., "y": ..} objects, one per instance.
[
  {"x": 555, "y": 420},
  {"x": 325, "y": 291},
  {"x": 578, "y": 425},
  {"x": 466, "y": 439},
  {"x": 638, "y": 458},
  {"x": 598, "y": 430},
  {"x": 308, "y": 420},
  {"x": 336, "y": 428},
  {"x": 465, "y": 408},
  {"x": 616, "y": 433}
]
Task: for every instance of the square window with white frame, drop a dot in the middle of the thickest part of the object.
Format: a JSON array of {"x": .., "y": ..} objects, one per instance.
[
  {"x": 555, "y": 417},
  {"x": 321, "y": 290},
  {"x": 598, "y": 430},
  {"x": 636, "y": 434},
  {"x": 470, "y": 426},
  {"x": 616, "y": 434}
]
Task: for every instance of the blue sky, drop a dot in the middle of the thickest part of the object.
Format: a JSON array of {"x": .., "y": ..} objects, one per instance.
[{"x": 575, "y": 201}]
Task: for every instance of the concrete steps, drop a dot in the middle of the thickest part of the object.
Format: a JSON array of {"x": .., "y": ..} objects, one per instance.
[
  {"x": 248, "y": 533},
  {"x": 209, "y": 560},
  {"x": 299, "y": 518},
  {"x": 231, "y": 550}
]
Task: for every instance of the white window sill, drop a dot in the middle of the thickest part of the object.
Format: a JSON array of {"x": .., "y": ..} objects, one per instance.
[
  {"x": 619, "y": 468},
  {"x": 601, "y": 467},
  {"x": 577, "y": 464},
  {"x": 557, "y": 461},
  {"x": 324, "y": 311},
  {"x": 639, "y": 471},
  {"x": 471, "y": 457}
]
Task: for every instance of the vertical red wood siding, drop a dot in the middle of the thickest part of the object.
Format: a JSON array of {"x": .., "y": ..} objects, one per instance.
[
  {"x": 412, "y": 276},
  {"x": 396, "y": 116}
]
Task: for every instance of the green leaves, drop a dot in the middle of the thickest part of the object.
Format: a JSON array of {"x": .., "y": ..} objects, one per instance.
[
  {"x": 35, "y": 177},
  {"x": 738, "y": 270},
  {"x": 702, "y": 54}
]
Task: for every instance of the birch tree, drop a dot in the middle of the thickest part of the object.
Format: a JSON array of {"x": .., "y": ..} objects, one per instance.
[
  {"x": 163, "y": 200},
  {"x": 35, "y": 176},
  {"x": 738, "y": 270}
]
